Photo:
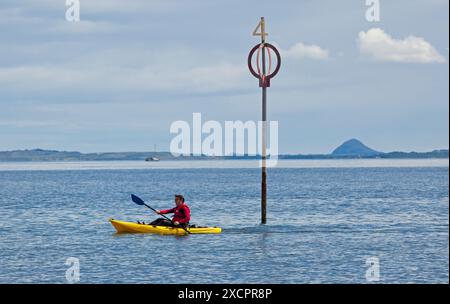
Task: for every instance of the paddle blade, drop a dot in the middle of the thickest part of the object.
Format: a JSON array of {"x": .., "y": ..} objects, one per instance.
[{"x": 137, "y": 200}]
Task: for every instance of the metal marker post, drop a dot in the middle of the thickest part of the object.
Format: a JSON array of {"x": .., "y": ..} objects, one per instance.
[
  {"x": 264, "y": 82},
  {"x": 264, "y": 132}
]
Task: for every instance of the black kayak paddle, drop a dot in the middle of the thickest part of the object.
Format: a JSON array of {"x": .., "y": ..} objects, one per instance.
[{"x": 141, "y": 202}]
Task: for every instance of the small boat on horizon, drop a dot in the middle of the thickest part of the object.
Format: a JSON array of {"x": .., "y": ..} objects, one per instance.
[{"x": 152, "y": 158}]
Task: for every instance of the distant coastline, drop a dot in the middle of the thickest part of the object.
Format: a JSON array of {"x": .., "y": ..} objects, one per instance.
[{"x": 351, "y": 149}]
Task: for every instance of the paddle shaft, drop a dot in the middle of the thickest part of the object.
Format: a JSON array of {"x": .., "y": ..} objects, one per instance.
[{"x": 157, "y": 212}]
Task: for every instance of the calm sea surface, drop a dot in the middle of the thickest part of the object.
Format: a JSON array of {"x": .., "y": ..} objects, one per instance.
[{"x": 325, "y": 219}]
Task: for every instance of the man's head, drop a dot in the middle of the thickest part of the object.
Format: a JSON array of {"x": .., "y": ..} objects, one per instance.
[{"x": 179, "y": 199}]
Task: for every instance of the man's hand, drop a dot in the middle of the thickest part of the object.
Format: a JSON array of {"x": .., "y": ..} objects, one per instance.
[
  {"x": 158, "y": 211},
  {"x": 176, "y": 223}
]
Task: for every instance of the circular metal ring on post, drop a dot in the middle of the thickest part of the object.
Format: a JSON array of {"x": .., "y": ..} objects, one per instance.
[
  {"x": 257, "y": 60},
  {"x": 264, "y": 79}
]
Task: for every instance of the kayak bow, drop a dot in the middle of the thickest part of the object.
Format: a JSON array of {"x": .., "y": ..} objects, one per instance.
[{"x": 129, "y": 227}]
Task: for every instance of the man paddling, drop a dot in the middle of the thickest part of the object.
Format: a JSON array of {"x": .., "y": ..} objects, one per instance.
[{"x": 182, "y": 214}]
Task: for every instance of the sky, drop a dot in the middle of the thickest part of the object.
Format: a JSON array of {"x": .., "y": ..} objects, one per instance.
[{"x": 118, "y": 78}]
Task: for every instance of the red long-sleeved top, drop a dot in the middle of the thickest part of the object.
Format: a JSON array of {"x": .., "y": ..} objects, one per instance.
[{"x": 182, "y": 213}]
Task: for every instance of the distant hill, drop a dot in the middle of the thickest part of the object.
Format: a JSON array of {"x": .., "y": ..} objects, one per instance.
[
  {"x": 52, "y": 155},
  {"x": 356, "y": 148},
  {"x": 350, "y": 149},
  {"x": 433, "y": 154}
]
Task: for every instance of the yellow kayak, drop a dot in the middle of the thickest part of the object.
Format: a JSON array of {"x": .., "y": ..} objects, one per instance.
[{"x": 129, "y": 227}]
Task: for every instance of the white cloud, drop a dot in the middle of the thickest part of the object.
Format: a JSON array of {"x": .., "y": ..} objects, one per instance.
[
  {"x": 16, "y": 18},
  {"x": 300, "y": 51},
  {"x": 217, "y": 77},
  {"x": 85, "y": 26},
  {"x": 381, "y": 46},
  {"x": 95, "y": 6},
  {"x": 204, "y": 79},
  {"x": 121, "y": 6},
  {"x": 31, "y": 123}
]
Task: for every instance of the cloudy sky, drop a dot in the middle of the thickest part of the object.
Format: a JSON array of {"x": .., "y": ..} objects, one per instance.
[{"x": 117, "y": 79}]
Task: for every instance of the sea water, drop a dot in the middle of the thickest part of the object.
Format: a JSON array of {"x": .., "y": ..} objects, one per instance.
[{"x": 326, "y": 220}]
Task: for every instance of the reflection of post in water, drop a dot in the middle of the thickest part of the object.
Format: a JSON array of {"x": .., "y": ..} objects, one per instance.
[
  {"x": 262, "y": 241},
  {"x": 264, "y": 77}
]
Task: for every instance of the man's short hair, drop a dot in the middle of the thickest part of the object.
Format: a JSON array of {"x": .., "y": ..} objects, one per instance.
[{"x": 180, "y": 197}]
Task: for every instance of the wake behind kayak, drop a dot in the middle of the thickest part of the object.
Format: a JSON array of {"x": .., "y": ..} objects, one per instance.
[{"x": 130, "y": 227}]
